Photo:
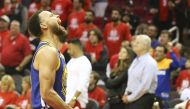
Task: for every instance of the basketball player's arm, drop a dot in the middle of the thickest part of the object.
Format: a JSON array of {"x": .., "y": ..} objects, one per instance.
[{"x": 47, "y": 63}]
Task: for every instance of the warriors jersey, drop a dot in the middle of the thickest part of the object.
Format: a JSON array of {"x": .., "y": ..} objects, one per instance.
[{"x": 59, "y": 84}]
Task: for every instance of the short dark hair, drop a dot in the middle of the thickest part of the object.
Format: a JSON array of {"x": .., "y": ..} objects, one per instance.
[
  {"x": 166, "y": 32},
  {"x": 118, "y": 10},
  {"x": 34, "y": 24},
  {"x": 81, "y": 1},
  {"x": 164, "y": 47},
  {"x": 76, "y": 42},
  {"x": 91, "y": 12}
]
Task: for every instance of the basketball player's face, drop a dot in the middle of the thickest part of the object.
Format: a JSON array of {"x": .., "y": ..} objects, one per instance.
[{"x": 52, "y": 22}]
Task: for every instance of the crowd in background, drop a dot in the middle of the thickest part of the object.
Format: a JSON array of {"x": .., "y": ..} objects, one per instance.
[{"x": 106, "y": 29}]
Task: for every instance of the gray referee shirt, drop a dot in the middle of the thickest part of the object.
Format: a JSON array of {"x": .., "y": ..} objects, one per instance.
[{"x": 142, "y": 77}]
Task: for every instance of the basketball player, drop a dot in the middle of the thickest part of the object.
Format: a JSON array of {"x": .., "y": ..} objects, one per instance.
[{"x": 48, "y": 69}]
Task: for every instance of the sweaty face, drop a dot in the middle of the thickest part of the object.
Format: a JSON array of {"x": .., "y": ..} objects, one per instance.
[{"x": 52, "y": 22}]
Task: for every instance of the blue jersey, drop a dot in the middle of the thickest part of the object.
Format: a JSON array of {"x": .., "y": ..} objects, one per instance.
[
  {"x": 166, "y": 66},
  {"x": 59, "y": 85}
]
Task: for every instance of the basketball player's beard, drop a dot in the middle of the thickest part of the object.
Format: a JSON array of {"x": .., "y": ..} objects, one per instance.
[{"x": 60, "y": 32}]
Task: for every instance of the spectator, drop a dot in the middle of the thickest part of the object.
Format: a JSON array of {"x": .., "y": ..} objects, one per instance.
[
  {"x": 84, "y": 28},
  {"x": 78, "y": 76},
  {"x": 113, "y": 61},
  {"x": 87, "y": 5},
  {"x": 165, "y": 67},
  {"x": 23, "y": 101},
  {"x": 117, "y": 82},
  {"x": 8, "y": 95},
  {"x": 165, "y": 38},
  {"x": 142, "y": 28},
  {"x": 129, "y": 17},
  {"x": 182, "y": 55},
  {"x": 20, "y": 13},
  {"x": 141, "y": 9},
  {"x": 33, "y": 7},
  {"x": 4, "y": 23},
  {"x": 186, "y": 35},
  {"x": 62, "y": 8},
  {"x": 5, "y": 10},
  {"x": 162, "y": 11},
  {"x": 115, "y": 32},
  {"x": 16, "y": 51},
  {"x": 180, "y": 10},
  {"x": 153, "y": 34},
  {"x": 183, "y": 80},
  {"x": 142, "y": 79},
  {"x": 96, "y": 92},
  {"x": 75, "y": 18},
  {"x": 26, "y": 2},
  {"x": 45, "y": 5},
  {"x": 97, "y": 50},
  {"x": 114, "y": 4}
]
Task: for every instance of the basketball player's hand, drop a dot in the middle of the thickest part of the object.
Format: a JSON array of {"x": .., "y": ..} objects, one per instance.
[
  {"x": 125, "y": 99},
  {"x": 72, "y": 103}
]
